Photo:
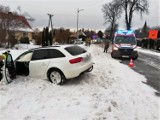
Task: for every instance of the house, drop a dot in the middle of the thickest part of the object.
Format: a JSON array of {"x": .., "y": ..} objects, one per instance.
[
  {"x": 80, "y": 34},
  {"x": 14, "y": 26}
]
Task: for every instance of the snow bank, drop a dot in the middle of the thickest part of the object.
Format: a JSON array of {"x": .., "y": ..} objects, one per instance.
[{"x": 148, "y": 51}]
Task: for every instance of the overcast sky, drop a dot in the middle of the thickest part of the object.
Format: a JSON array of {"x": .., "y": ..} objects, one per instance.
[{"x": 65, "y": 13}]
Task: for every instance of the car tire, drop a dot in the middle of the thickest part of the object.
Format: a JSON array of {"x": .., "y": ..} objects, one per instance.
[
  {"x": 56, "y": 76},
  {"x": 135, "y": 58},
  {"x": 112, "y": 55}
]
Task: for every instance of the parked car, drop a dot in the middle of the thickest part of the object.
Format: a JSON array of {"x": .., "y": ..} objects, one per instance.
[
  {"x": 124, "y": 44},
  {"x": 55, "y": 43},
  {"x": 78, "y": 42},
  {"x": 57, "y": 63}
]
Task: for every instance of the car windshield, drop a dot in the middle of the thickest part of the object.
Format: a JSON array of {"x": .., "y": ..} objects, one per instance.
[{"x": 125, "y": 40}]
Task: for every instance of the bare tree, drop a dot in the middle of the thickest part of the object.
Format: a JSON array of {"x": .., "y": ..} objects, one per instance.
[
  {"x": 28, "y": 17},
  {"x": 4, "y": 9},
  {"x": 112, "y": 12},
  {"x": 2, "y": 25},
  {"x": 132, "y": 6},
  {"x": 62, "y": 35},
  {"x": 9, "y": 24},
  {"x": 19, "y": 9}
]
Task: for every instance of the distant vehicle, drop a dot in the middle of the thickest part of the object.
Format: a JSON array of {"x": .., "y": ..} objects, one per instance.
[
  {"x": 99, "y": 40},
  {"x": 124, "y": 45},
  {"x": 55, "y": 43},
  {"x": 78, "y": 42},
  {"x": 94, "y": 41},
  {"x": 57, "y": 63}
]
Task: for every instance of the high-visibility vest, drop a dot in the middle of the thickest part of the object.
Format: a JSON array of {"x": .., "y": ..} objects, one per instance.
[{"x": 4, "y": 55}]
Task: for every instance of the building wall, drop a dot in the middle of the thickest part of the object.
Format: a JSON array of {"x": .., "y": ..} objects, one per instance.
[{"x": 19, "y": 35}]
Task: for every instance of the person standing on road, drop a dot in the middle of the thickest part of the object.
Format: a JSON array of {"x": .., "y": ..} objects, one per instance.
[
  {"x": 88, "y": 41},
  {"x": 2, "y": 59},
  {"x": 106, "y": 44}
]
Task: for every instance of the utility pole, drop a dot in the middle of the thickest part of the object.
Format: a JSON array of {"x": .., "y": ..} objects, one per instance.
[{"x": 78, "y": 10}]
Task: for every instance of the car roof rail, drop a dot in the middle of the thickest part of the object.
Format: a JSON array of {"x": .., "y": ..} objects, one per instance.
[{"x": 54, "y": 46}]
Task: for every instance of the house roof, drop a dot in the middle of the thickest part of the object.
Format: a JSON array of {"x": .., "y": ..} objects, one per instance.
[
  {"x": 79, "y": 33},
  {"x": 16, "y": 17}
]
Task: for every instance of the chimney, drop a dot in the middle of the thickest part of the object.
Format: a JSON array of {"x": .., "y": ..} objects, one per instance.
[{"x": 10, "y": 13}]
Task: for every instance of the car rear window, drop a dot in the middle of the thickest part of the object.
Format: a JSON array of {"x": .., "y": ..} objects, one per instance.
[{"x": 75, "y": 50}]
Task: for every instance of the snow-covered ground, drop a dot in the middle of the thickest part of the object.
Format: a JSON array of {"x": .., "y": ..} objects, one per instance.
[
  {"x": 112, "y": 91},
  {"x": 148, "y": 51}
]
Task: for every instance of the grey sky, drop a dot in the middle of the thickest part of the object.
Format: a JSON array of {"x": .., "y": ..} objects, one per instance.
[{"x": 65, "y": 13}]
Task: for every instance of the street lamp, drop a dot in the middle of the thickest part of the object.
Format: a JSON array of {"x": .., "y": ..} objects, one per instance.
[{"x": 78, "y": 10}]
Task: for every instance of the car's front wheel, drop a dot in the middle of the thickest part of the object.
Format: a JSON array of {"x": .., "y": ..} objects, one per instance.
[
  {"x": 112, "y": 55},
  {"x": 55, "y": 76},
  {"x": 135, "y": 58}
]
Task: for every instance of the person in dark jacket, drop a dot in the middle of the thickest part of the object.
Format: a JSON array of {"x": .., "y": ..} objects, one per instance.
[{"x": 106, "y": 44}]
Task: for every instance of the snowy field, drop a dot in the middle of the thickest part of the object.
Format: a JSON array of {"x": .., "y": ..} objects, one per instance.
[{"x": 112, "y": 91}]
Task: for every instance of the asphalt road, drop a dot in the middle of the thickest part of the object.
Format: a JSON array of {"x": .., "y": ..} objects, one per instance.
[{"x": 149, "y": 66}]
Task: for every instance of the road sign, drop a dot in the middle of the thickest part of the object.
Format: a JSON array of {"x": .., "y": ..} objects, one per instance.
[{"x": 153, "y": 34}]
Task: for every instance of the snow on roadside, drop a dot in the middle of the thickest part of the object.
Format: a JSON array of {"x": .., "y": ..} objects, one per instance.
[
  {"x": 148, "y": 51},
  {"x": 127, "y": 94},
  {"x": 112, "y": 91}
]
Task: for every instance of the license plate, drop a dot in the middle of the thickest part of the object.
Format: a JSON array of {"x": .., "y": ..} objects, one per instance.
[{"x": 125, "y": 56}]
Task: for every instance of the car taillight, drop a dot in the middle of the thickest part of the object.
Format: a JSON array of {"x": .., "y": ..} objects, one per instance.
[{"x": 76, "y": 60}]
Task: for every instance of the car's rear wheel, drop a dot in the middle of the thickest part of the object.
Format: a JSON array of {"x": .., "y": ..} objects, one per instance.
[{"x": 56, "y": 77}]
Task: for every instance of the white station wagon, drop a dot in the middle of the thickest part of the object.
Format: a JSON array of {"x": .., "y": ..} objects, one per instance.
[{"x": 57, "y": 63}]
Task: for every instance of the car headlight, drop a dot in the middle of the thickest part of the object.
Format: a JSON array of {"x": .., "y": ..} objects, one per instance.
[
  {"x": 135, "y": 49},
  {"x": 115, "y": 48}
]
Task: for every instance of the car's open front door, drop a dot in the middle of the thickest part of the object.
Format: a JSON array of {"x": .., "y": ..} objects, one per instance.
[
  {"x": 10, "y": 71},
  {"x": 22, "y": 63}
]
